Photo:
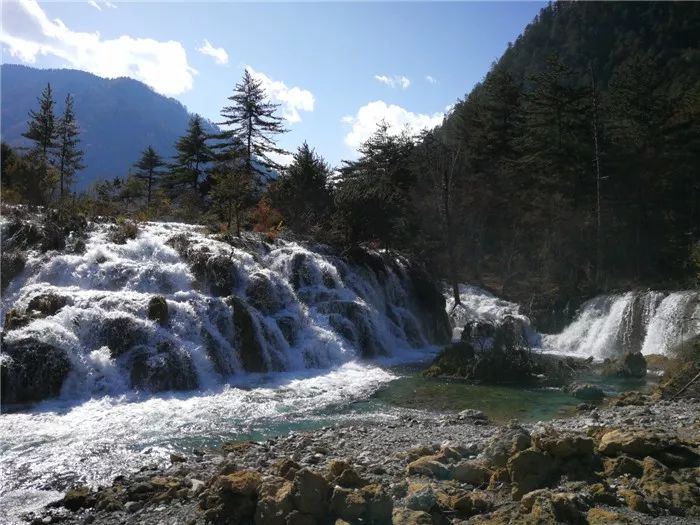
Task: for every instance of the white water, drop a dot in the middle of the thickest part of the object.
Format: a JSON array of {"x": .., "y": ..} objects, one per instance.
[{"x": 101, "y": 425}]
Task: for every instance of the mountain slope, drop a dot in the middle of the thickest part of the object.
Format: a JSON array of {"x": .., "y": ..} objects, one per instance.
[{"x": 118, "y": 118}]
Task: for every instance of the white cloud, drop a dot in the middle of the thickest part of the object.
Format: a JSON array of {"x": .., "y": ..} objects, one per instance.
[
  {"x": 219, "y": 54},
  {"x": 398, "y": 119},
  {"x": 99, "y": 4},
  {"x": 27, "y": 32},
  {"x": 431, "y": 80},
  {"x": 293, "y": 99},
  {"x": 394, "y": 81}
]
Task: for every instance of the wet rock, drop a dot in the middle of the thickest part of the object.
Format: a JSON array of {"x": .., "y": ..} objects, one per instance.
[
  {"x": 14, "y": 319},
  {"x": 311, "y": 492},
  {"x": 299, "y": 518},
  {"x": 631, "y": 364},
  {"x": 289, "y": 328},
  {"x": 275, "y": 502},
  {"x": 262, "y": 294},
  {"x": 529, "y": 469},
  {"x": 431, "y": 304},
  {"x": 121, "y": 334},
  {"x": 78, "y": 498},
  {"x": 586, "y": 392},
  {"x": 11, "y": 265},
  {"x": 47, "y": 304},
  {"x": 352, "y": 320},
  {"x": 477, "y": 330},
  {"x": 165, "y": 369},
  {"x": 250, "y": 349},
  {"x": 31, "y": 370},
  {"x": 158, "y": 310}
]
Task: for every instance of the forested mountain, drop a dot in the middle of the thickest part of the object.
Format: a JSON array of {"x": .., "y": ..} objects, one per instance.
[
  {"x": 118, "y": 117},
  {"x": 571, "y": 169}
]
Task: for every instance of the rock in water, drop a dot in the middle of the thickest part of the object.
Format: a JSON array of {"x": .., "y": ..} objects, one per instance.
[
  {"x": 158, "y": 309},
  {"x": 32, "y": 370}
]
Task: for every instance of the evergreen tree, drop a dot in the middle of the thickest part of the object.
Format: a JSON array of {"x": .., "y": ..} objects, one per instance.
[
  {"x": 42, "y": 124},
  {"x": 301, "y": 193},
  {"x": 193, "y": 153},
  {"x": 69, "y": 156},
  {"x": 253, "y": 124},
  {"x": 231, "y": 188},
  {"x": 149, "y": 170}
]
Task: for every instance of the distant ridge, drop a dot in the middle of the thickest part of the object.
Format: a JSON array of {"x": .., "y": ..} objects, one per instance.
[{"x": 118, "y": 117}]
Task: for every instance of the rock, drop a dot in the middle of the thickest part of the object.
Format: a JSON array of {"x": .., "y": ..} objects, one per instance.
[
  {"x": 275, "y": 502},
  {"x": 311, "y": 492},
  {"x": 261, "y": 294},
  {"x": 12, "y": 263},
  {"x": 250, "y": 349},
  {"x": 177, "y": 458},
  {"x": 506, "y": 442},
  {"x": 287, "y": 468},
  {"x": 289, "y": 327},
  {"x": 299, "y": 518},
  {"x": 422, "y": 498},
  {"x": 635, "y": 443},
  {"x": 31, "y": 370},
  {"x": 121, "y": 334},
  {"x": 564, "y": 446},
  {"x": 231, "y": 498},
  {"x": 600, "y": 516},
  {"x": 379, "y": 504},
  {"x": 630, "y": 399},
  {"x": 352, "y": 320},
  {"x": 587, "y": 392},
  {"x": 622, "y": 466},
  {"x": 631, "y": 364},
  {"x": 165, "y": 369},
  {"x": 350, "y": 479},
  {"x": 634, "y": 500},
  {"x": 471, "y": 472},
  {"x": 529, "y": 469},
  {"x": 47, "y": 304},
  {"x": 158, "y": 310},
  {"x": 348, "y": 504},
  {"x": 78, "y": 498},
  {"x": 14, "y": 319},
  {"x": 403, "y": 516},
  {"x": 420, "y": 451},
  {"x": 428, "y": 466},
  {"x": 133, "y": 506},
  {"x": 473, "y": 415}
]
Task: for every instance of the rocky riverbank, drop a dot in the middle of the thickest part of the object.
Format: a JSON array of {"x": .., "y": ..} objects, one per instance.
[{"x": 634, "y": 461}]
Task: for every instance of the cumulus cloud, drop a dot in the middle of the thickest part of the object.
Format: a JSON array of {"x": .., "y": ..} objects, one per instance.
[
  {"x": 219, "y": 54},
  {"x": 27, "y": 32},
  {"x": 431, "y": 80},
  {"x": 99, "y": 4},
  {"x": 292, "y": 99},
  {"x": 398, "y": 119},
  {"x": 393, "y": 81}
]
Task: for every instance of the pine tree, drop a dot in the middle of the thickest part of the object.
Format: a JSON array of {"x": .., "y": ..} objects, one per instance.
[
  {"x": 301, "y": 193},
  {"x": 149, "y": 171},
  {"x": 193, "y": 153},
  {"x": 253, "y": 124},
  {"x": 231, "y": 189},
  {"x": 42, "y": 130},
  {"x": 69, "y": 156}
]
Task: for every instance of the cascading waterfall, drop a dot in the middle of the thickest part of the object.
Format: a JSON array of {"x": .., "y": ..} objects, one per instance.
[{"x": 237, "y": 307}]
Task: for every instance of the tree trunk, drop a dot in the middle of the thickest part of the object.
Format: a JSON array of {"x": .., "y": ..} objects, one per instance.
[{"x": 596, "y": 153}]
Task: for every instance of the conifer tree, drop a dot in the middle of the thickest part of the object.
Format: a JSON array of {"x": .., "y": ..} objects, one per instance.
[
  {"x": 42, "y": 130},
  {"x": 149, "y": 170},
  {"x": 253, "y": 124},
  {"x": 69, "y": 156},
  {"x": 193, "y": 153}
]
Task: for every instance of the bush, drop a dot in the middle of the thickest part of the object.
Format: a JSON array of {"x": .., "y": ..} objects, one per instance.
[
  {"x": 123, "y": 230},
  {"x": 683, "y": 366}
]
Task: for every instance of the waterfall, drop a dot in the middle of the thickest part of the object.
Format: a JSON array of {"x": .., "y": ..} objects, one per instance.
[
  {"x": 235, "y": 307},
  {"x": 649, "y": 322}
]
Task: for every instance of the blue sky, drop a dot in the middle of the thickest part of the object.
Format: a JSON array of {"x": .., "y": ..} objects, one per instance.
[{"x": 336, "y": 68}]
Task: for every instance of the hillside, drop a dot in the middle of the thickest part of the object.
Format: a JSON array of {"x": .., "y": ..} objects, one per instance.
[{"x": 117, "y": 117}]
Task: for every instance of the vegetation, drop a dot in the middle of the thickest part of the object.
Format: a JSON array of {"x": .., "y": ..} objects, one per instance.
[{"x": 568, "y": 171}]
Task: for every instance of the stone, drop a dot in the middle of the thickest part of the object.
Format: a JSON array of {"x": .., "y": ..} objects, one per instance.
[
  {"x": 299, "y": 518},
  {"x": 403, "y": 516},
  {"x": 31, "y": 370},
  {"x": 379, "y": 504},
  {"x": 622, "y": 466},
  {"x": 165, "y": 369},
  {"x": 563, "y": 446},
  {"x": 287, "y": 468},
  {"x": 250, "y": 349},
  {"x": 232, "y": 497},
  {"x": 311, "y": 492},
  {"x": 504, "y": 444},
  {"x": 471, "y": 472},
  {"x": 587, "y": 392},
  {"x": 158, "y": 310},
  {"x": 600, "y": 516},
  {"x": 275, "y": 501},
  {"x": 14, "y": 319},
  {"x": 261, "y": 294},
  {"x": 529, "y": 469},
  {"x": 422, "y": 498},
  {"x": 634, "y": 500},
  {"x": 631, "y": 364},
  {"x": 635, "y": 443},
  {"x": 428, "y": 466},
  {"x": 47, "y": 304},
  {"x": 77, "y": 498},
  {"x": 348, "y": 504}
]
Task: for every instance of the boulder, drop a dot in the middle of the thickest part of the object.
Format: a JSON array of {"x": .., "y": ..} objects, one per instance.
[
  {"x": 421, "y": 498},
  {"x": 121, "y": 334},
  {"x": 163, "y": 369},
  {"x": 250, "y": 349},
  {"x": 47, "y": 304},
  {"x": 586, "y": 392},
  {"x": 411, "y": 517},
  {"x": 348, "y": 504},
  {"x": 77, "y": 498},
  {"x": 506, "y": 442},
  {"x": 158, "y": 310},
  {"x": 564, "y": 445},
  {"x": 231, "y": 498},
  {"x": 379, "y": 504},
  {"x": 12, "y": 263},
  {"x": 287, "y": 468},
  {"x": 275, "y": 501},
  {"x": 471, "y": 472},
  {"x": 601, "y": 516},
  {"x": 635, "y": 443},
  {"x": 311, "y": 492},
  {"x": 15, "y": 319},
  {"x": 31, "y": 370},
  {"x": 428, "y": 466},
  {"x": 529, "y": 469},
  {"x": 631, "y": 364},
  {"x": 261, "y": 294},
  {"x": 622, "y": 466},
  {"x": 353, "y": 321}
]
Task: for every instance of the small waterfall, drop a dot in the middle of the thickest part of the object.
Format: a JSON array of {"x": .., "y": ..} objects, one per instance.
[
  {"x": 235, "y": 306},
  {"x": 649, "y": 322}
]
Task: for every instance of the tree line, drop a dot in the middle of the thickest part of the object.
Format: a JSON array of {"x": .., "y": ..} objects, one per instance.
[{"x": 570, "y": 170}]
